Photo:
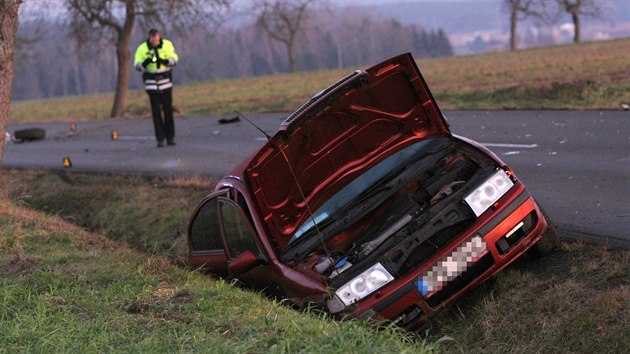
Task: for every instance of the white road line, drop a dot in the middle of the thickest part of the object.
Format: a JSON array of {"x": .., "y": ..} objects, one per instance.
[{"x": 512, "y": 146}]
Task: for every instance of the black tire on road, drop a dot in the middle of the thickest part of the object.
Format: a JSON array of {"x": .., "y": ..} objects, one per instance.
[
  {"x": 29, "y": 134},
  {"x": 548, "y": 242}
]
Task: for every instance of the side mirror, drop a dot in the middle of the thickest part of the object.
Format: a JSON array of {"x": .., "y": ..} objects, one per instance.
[{"x": 244, "y": 262}]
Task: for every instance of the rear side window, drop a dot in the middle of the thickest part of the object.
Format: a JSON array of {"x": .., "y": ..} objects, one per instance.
[
  {"x": 204, "y": 231},
  {"x": 238, "y": 235}
]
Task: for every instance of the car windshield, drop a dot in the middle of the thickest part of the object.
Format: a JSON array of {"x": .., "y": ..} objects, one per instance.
[{"x": 359, "y": 186}]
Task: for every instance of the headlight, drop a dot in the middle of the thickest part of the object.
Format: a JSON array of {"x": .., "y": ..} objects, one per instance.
[
  {"x": 489, "y": 192},
  {"x": 364, "y": 284}
]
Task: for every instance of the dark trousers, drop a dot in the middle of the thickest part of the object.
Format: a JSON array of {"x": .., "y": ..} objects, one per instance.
[{"x": 163, "y": 124}]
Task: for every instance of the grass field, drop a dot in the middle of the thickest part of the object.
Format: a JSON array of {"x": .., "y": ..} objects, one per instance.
[
  {"x": 593, "y": 75},
  {"x": 95, "y": 269},
  {"x": 93, "y": 263},
  {"x": 66, "y": 288},
  {"x": 63, "y": 289}
]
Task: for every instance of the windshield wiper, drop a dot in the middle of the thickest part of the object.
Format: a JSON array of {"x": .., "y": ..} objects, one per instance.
[
  {"x": 366, "y": 197},
  {"x": 366, "y": 202},
  {"x": 334, "y": 224}
]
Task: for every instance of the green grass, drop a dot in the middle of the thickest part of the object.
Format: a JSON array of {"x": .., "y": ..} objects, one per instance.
[
  {"x": 67, "y": 289},
  {"x": 149, "y": 214},
  {"x": 90, "y": 263},
  {"x": 574, "y": 301},
  {"x": 582, "y": 95},
  {"x": 592, "y": 75},
  {"x": 64, "y": 289}
]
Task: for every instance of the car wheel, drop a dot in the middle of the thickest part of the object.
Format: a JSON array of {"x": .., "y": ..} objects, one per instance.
[
  {"x": 549, "y": 240},
  {"x": 29, "y": 134}
]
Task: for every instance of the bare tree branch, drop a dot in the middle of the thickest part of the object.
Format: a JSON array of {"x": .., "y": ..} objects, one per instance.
[
  {"x": 114, "y": 20},
  {"x": 520, "y": 10},
  {"x": 578, "y": 9},
  {"x": 282, "y": 20}
]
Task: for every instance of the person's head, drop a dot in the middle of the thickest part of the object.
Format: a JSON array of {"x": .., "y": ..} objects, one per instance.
[{"x": 154, "y": 37}]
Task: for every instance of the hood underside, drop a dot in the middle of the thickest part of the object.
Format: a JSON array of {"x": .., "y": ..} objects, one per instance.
[{"x": 336, "y": 136}]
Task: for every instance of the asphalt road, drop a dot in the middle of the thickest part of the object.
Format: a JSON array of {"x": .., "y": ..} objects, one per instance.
[{"x": 576, "y": 164}]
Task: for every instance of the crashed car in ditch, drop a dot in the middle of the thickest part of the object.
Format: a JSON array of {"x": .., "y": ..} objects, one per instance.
[{"x": 366, "y": 205}]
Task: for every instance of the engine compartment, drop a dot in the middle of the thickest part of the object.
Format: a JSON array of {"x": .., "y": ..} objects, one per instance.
[{"x": 423, "y": 213}]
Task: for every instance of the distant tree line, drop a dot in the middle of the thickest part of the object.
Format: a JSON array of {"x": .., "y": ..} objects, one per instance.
[{"x": 44, "y": 68}]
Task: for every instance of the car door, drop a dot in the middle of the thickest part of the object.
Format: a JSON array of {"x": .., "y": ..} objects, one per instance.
[
  {"x": 205, "y": 242},
  {"x": 237, "y": 232},
  {"x": 222, "y": 220},
  {"x": 246, "y": 261}
]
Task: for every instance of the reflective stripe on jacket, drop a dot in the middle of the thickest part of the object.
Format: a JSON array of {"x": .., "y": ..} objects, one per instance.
[
  {"x": 157, "y": 81},
  {"x": 154, "y": 73}
]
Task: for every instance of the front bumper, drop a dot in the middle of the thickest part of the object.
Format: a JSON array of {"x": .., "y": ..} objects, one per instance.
[{"x": 507, "y": 234}]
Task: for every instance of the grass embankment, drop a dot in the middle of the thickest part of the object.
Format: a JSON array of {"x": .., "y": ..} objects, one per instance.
[
  {"x": 64, "y": 288},
  {"x": 591, "y": 75}
]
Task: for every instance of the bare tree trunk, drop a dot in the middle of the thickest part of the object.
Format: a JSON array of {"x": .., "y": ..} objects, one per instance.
[
  {"x": 282, "y": 19},
  {"x": 339, "y": 55},
  {"x": 292, "y": 60},
  {"x": 77, "y": 75},
  {"x": 124, "y": 65},
  {"x": 586, "y": 8},
  {"x": 575, "y": 16},
  {"x": 8, "y": 28},
  {"x": 269, "y": 57},
  {"x": 122, "y": 81},
  {"x": 513, "y": 20}
]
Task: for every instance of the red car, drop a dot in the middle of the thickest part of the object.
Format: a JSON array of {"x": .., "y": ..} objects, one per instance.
[{"x": 364, "y": 204}]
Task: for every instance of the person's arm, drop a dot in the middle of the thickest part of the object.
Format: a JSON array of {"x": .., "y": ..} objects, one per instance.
[
  {"x": 169, "y": 51},
  {"x": 141, "y": 60}
]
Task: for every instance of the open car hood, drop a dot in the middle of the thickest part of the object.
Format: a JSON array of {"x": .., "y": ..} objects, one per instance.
[{"x": 336, "y": 136}]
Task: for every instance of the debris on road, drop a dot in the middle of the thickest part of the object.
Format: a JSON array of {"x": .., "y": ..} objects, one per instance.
[
  {"x": 28, "y": 134},
  {"x": 229, "y": 120}
]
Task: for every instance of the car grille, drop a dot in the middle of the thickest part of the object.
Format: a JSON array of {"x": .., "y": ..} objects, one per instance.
[
  {"x": 424, "y": 250},
  {"x": 457, "y": 284}
]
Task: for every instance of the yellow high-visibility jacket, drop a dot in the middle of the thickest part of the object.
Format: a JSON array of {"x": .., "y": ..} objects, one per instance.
[{"x": 157, "y": 76}]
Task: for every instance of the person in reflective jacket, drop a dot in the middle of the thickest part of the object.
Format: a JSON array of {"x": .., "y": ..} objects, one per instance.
[{"x": 155, "y": 58}]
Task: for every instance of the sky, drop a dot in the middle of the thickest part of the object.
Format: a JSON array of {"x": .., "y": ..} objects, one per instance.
[{"x": 468, "y": 21}]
